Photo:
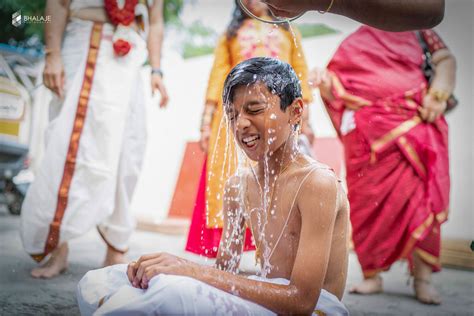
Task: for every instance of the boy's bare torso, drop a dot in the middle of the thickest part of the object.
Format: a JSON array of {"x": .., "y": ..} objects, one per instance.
[{"x": 280, "y": 240}]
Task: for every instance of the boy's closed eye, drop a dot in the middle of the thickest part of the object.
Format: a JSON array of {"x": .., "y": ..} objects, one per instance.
[{"x": 255, "y": 107}]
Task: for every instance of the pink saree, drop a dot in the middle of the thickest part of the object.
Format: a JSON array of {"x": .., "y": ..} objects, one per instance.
[{"x": 397, "y": 165}]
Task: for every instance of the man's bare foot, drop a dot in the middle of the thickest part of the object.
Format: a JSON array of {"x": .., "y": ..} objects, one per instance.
[
  {"x": 425, "y": 292},
  {"x": 56, "y": 264},
  {"x": 371, "y": 285},
  {"x": 114, "y": 257}
]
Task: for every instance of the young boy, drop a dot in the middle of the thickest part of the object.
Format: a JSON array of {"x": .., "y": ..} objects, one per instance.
[{"x": 295, "y": 207}]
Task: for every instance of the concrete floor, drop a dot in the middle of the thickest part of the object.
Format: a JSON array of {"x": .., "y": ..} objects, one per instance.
[{"x": 22, "y": 295}]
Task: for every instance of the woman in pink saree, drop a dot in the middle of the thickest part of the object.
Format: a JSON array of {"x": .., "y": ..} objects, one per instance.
[{"x": 391, "y": 122}]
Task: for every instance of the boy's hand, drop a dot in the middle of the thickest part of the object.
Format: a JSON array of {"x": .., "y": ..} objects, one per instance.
[
  {"x": 132, "y": 271},
  {"x": 157, "y": 84},
  {"x": 432, "y": 108},
  {"x": 148, "y": 266}
]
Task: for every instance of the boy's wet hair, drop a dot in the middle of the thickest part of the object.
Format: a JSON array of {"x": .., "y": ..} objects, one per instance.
[{"x": 278, "y": 76}]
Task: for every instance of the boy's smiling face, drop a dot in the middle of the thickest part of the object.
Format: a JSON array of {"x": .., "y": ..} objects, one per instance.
[{"x": 258, "y": 123}]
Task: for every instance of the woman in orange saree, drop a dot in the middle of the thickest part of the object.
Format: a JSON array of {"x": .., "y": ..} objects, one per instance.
[
  {"x": 391, "y": 122},
  {"x": 245, "y": 38}
]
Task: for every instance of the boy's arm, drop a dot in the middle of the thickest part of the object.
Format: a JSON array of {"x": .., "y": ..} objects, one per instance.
[
  {"x": 232, "y": 240},
  {"x": 317, "y": 205}
]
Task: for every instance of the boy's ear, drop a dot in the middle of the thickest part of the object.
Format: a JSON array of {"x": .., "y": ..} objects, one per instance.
[{"x": 296, "y": 111}]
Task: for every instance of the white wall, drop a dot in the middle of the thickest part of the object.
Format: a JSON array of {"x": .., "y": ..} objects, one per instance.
[
  {"x": 457, "y": 30},
  {"x": 186, "y": 81}
]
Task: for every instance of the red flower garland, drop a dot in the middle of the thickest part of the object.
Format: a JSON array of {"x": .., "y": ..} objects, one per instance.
[
  {"x": 121, "y": 47},
  {"x": 124, "y": 16}
]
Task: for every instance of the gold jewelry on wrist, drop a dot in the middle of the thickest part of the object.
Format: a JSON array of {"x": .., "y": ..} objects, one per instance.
[
  {"x": 207, "y": 117},
  {"x": 328, "y": 9},
  {"x": 439, "y": 95},
  {"x": 205, "y": 128}
]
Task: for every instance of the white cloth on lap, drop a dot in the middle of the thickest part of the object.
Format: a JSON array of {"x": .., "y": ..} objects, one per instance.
[{"x": 171, "y": 294}]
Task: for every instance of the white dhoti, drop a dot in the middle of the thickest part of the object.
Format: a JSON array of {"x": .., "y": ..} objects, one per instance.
[
  {"x": 173, "y": 295},
  {"x": 94, "y": 144}
]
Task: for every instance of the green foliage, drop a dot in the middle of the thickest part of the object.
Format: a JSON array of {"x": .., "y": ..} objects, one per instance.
[
  {"x": 8, "y": 31},
  {"x": 172, "y": 8},
  {"x": 200, "y": 40},
  {"x": 190, "y": 50},
  {"x": 311, "y": 30},
  {"x": 197, "y": 28}
]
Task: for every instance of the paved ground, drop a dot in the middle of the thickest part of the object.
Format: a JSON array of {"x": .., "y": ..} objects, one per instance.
[{"x": 22, "y": 295}]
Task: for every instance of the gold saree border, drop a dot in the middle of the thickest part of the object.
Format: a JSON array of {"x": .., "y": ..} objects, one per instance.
[
  {"x": 428, "y": 257},
  {"x": 394, "y": 133},
  {"x": 70, "y": 164},
  {"x": 372, "y": 272},
  {"x": 351, "y": 101},
  {"x": 411, "y": 152},
  {"x": 415, "y": 236}
]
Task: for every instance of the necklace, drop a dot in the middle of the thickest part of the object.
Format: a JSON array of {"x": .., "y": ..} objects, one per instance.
[
  {"x": 124, "y": 16},
  {"x": 121, "y": 18}
]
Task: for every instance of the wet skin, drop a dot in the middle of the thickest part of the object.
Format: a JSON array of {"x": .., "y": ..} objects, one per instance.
[
  {"x": 312, "y": 252},
  {"x": 255, "y": 117}
]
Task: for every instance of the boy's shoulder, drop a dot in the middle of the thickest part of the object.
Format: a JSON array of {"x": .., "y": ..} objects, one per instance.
[
  {"x": 318, "y": 195},
  {"x": 315, "y": 177},
  {"x": 309, "y": 166}
]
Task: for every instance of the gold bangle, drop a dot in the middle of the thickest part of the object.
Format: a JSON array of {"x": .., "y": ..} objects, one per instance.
[
  {"x": 439, "y": 95},
  {"x": 206, "y": 120},
  {"x": 328, "y": 9},
  {"x": 205, "y": 128}
]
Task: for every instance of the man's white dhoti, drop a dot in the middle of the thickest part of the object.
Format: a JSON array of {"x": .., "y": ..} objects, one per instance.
[
  {"x": 173, "y": 295},
  {"x": 94, "y": 144}
]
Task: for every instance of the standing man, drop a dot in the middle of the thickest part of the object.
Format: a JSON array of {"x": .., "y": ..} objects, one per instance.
[{"x": 96, "y": 138}]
